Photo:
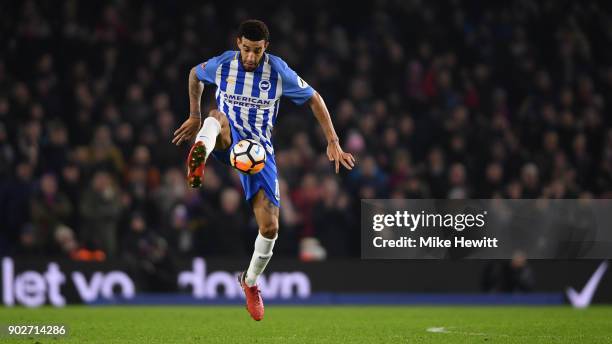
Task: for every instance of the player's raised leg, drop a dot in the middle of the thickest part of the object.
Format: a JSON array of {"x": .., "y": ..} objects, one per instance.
[
  {"x": 266, "y": 214},
  {"x": 214, "y": 134}
]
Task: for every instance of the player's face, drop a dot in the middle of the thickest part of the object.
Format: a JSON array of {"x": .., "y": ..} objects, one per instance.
[{"x": 251, "y": 52}]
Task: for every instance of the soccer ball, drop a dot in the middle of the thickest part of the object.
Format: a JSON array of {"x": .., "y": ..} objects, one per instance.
[{"x": 248, "y": 156}]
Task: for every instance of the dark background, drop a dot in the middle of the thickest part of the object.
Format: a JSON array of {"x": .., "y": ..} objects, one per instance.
[{"x": 444, "y": 99}]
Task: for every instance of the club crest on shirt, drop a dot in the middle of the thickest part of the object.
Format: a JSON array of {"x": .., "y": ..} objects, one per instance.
[
  {"x": 230, "y": 79},
  {"x": 264, "y": 85}
]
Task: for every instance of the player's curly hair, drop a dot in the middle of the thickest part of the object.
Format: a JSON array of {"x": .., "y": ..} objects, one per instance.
[{"x": 254, "y": 30}]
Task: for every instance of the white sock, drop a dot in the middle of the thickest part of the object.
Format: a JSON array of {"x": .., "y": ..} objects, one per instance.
[
  {"x": 208, "y": 134},
  {"x": 261, "y": 257}
]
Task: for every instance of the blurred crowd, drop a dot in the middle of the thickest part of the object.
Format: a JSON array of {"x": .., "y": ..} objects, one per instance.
[{"x": 436, "y": 99}]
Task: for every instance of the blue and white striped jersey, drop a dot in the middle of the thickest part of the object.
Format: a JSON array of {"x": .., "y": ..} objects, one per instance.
[{"x": 251, "y": 99}]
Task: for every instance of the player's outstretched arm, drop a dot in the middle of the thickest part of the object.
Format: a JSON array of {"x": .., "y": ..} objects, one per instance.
[
  {"x": 190, "y": 127},
  {"x": 334, "y": 151}
]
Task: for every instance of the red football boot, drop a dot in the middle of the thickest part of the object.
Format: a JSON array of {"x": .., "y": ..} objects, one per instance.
[
  {"x": 254, "y": 302},
  {"x": 195, "y": 164}
]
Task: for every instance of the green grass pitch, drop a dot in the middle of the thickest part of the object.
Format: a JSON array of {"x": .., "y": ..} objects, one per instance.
[{"x": 310, "y": 324}]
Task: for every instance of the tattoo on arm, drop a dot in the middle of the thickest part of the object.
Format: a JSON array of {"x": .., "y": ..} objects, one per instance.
[{"x": 196, "y": 88}]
